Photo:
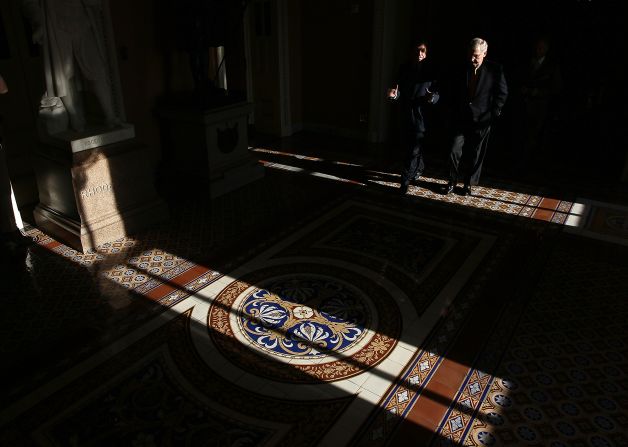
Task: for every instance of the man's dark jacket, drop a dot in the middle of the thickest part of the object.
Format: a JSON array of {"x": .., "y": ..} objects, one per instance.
[
  {"x": 414, "y": 79},
  {"x": 480, "y": 109}
]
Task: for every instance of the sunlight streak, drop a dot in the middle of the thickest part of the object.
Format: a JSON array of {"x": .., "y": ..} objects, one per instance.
[
  {"x": 16, "y": 211},
  {"x": 504, "y": 201}
]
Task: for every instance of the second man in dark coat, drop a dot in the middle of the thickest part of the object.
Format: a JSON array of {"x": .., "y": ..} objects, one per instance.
[{"x": 415, "y": 89}]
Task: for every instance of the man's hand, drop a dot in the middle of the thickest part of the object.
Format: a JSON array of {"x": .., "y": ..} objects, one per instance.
[
  {"x": 431, "y": 97},
  {"x": 393, "y": 93}
]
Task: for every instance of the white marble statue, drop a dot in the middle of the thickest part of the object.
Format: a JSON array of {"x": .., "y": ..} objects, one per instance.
[{"x": 72, "y": 35}]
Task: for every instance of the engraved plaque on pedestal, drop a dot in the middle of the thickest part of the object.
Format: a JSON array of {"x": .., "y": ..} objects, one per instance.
[{"x": 96, "y": 195}]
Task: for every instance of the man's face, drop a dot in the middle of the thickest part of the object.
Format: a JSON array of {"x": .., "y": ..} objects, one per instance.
[
  {"x": 477, "y": 56},
  {"x": 420, "y": 52}
]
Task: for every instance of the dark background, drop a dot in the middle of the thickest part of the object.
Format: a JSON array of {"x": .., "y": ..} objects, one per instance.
[{"x": 587, "y": 140}]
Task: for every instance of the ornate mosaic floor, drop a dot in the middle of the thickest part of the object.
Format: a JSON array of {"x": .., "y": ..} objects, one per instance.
[
  {"x": 591, "y": 218},
  {"x": 368, "y": 319}
]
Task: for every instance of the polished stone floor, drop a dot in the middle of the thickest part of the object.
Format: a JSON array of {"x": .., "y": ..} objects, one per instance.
[{"x": 320, "y": 307}]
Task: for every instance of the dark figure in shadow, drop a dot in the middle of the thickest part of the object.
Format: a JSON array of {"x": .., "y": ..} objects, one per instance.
[
  {"x": 199, "y": 26},
  {"x": 414, "y": 89},
  {"x": 477, "y": 94},
  {"x": 12, "y": 243},
  {"x": 540, "y": 88}
]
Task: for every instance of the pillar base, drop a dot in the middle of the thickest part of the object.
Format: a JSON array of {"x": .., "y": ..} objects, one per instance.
[{"x": 95, "y": 196}]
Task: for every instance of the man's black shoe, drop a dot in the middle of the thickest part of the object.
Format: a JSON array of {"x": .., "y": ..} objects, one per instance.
[
  {"x": 466, "y": 190},
  {"x": 403, "y": 188},
  {"x": 448, "y": 188}
]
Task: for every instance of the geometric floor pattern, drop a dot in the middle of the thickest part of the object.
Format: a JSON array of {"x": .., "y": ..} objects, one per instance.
[
  {"x": 308, "y": 320},
  {"x": 67, "y": 305},
  {"x": 563, "y": 378},
  {"x": 494, "y": 199},
  {"x": 591, "y": 218},
  {"x": 365, "y": 319}
]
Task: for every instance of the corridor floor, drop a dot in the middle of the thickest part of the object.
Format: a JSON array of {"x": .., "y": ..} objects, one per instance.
[{"x": 318, "y": 307}]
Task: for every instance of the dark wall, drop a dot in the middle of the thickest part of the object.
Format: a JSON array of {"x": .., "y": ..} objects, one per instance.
[
  {"x": 336, "y": 62},
  {"x": 296, "y": 56},
  {"x": 153, "y": 64},
  {"x": 141, "y": 65}
]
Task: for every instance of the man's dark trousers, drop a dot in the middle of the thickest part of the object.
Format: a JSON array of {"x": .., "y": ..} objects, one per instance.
[
  {"x": 467, "y": 152},
  {"x": 413, "y": 164}
]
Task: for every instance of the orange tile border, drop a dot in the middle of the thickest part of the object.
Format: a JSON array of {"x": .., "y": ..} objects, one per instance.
[
  {"x": 180, "y": 280},
  {"x": 541, "y": 214},
  {"x": 549, "y": 204}
]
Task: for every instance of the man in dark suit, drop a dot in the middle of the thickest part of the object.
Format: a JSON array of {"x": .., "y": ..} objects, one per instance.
[
  {"x": 478, "y": 95},
  {"x": 415, "y": 89},
  {"x": 540, "y": 87}
]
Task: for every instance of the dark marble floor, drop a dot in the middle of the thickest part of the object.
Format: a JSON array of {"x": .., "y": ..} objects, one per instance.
[{"x": 318, "y": 306}]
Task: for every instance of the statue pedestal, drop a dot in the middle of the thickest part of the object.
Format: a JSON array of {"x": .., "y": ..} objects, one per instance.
[
  {"x": 90, "y": 139},
  {"x": 92, "y": 196},
  {"x": 210, "y": 145}
]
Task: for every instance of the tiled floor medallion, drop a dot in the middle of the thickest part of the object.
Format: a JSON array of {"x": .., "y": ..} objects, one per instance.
[
  {"x": 303, "y": 317},
  {"x": 313, "y": 317}
]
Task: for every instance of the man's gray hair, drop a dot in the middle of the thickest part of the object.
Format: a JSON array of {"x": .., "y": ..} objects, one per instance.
[{"x": 481, "y": 44}]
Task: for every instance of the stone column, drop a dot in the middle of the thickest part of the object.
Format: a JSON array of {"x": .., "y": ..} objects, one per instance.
[{"x": 390, "y": 39}]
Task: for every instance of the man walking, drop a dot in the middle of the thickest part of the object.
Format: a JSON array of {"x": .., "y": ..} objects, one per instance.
[
  {"x": 415, "y": 89},
  {"x": 478, "y": 95}
]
